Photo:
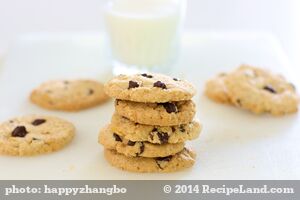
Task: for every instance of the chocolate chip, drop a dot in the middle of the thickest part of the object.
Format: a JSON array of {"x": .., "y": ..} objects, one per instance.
[
  {"x": 147, "y": 75},
  {"x": 142, "y": 148},
  {"x": 124, "y": 117},
  {"x": 130, "y": 143},
  {"x": 151, "y": 135},
  {"x": 91, "y": 91},
  {"x": 38, "y": 122},
  {"x": 182, "y": 129},
  {"x": 269, "y": 88},
  {"x": 170, "y": 107},
  {"x": 173, "y": 129},
  {"x": 19, "y": 131},
  {"x": 154, "y": 130},
  {"x": 117, "y": 137},
  {"x": 132, "y": 84},
  {"x": 66, "y": 82},
  {"x": 160, "y": 84},
  {"x": 168, "y": 158},
  {"x": 239, "y": 102},
  {"x": 11, "y": 121},
  {"x": 163, "y": 137},
  {"x": 159, "y": 161},
  {"x": 175, "y": 79}
]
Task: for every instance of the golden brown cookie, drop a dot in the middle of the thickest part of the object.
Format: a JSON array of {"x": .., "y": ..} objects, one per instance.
[
  {"x": 150, "y": 88},
  {"x": 154, "y": 134},
  {"x": 182, "y": 160},
  {"x": 34, "y": 134},
  {"x": 261, "y": 91},
  {"x": 160, "y": 114},
  {"x": 69, "y": 95}
]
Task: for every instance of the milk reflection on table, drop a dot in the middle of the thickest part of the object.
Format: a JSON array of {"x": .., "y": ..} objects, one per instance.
[{"x": 144, "y": 33}]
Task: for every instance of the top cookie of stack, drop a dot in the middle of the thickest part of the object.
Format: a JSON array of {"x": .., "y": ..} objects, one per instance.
[
  {"x": 150, "y": 88},
  {"x": 153, "y": 99}
]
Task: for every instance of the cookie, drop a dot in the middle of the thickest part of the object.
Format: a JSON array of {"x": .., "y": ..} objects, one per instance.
[
  {"x": 180, "y": 161},
  {"x": 216, "y": 90},
  {"x": 34, "y": 134},
  {"x": 160, "y": 114},
  {"x": 154, "y": 134},
  {"x": 261, "y": 91},
  {"x": 69, "y": 95},
  {"x": 111, "y": 140},
  {"x": 151, "y": 88}
]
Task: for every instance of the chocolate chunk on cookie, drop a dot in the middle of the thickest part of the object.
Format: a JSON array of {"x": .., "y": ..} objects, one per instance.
[
  {"x": 147, "y": 75},
  {"x": 38, "y": 122},
  {"x": 261, "y": 91},
  {"x": 153, "y": 88},
  {"x": 163, "y": 137},
  {"x": 117, "y": 137},
  {"x": 69, "y": 95},
  {"x": 170, "y": 107},
  {"x": 269, "y": 88},
  {"x": 160, "y": 84},
  {"x": 19, "y": 131},
  {"x": 34, "y": 134},
  {"x": 133, "y": 84}
]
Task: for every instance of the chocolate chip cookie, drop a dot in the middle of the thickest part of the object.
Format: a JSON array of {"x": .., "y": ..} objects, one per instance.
[
  {"x": 150, "y": 88},
  {"x": 261, "y": 91},
  {"x": 254, "y": 89},
  {"x": 154, "y": 134},
  {"x": 160, "y": 114},
  {"x": 182, "y": 160},
  {"x": 34, "y": 134},
  {"x": 111, "y": 140},
  {"x": 216, "y": 90},
  {"x": 69, "y": 95}
]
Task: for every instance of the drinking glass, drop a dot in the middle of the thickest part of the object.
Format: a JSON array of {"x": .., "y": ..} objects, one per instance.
[{"x": 143, "y": 35}]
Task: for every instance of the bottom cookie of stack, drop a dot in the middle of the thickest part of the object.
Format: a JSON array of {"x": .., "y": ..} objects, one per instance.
[{"x": 173, "y": 163}]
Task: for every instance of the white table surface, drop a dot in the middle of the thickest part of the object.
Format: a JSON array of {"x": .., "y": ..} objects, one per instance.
[{"x": 234, "y": 144}]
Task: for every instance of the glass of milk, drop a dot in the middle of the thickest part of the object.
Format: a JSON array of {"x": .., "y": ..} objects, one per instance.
[{"x": 144, "y": 34}]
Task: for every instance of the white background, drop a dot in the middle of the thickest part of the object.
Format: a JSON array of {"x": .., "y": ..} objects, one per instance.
[
  {"x": 234, "y": 144},
  {"x": 226, "y": 150},
  {"x": 277, "y": 16}
]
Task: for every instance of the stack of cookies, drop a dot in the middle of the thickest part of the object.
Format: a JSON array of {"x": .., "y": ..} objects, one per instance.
[{"x": 154, "y": 117}]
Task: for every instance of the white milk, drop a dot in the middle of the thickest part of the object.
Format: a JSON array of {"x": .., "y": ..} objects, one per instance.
[{"x": 144, "y": 33}]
